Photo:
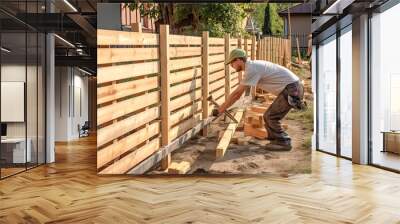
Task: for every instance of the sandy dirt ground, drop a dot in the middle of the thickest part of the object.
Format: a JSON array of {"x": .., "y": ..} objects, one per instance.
[{"x": 250, "y": 158}]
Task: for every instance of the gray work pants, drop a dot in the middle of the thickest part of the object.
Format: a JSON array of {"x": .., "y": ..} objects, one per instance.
[{"x": 278, "y": 110}]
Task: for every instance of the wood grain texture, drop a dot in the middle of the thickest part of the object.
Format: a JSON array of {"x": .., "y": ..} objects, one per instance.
[
  {"x": 70, "y": 191},
  {"x": 112, "y": 37},
  {"x": 119, "y": 109},
  {"x": 227, "y": 136},
  {"x": 118, "y": 72},
  {"x": 118, "y": 55}
]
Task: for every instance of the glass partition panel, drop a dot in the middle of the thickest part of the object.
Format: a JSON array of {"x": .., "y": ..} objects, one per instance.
[
  {"x": 346, "y": 92},
  {"x": 385, "y": 89},
  {"x": 327, "y": 95}
]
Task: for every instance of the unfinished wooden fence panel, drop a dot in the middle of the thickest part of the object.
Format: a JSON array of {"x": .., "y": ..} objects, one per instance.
[
  {"x": 128, "y": 99},
  {"x": 153, "y": 89}
]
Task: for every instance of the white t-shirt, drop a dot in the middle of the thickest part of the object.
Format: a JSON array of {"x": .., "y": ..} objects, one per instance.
[{"x": 268, "y": 76}]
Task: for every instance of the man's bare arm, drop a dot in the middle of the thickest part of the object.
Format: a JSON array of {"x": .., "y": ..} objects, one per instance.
[{"x": 232, "y": 98}]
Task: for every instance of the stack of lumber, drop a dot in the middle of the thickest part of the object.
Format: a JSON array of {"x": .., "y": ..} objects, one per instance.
[{"x": 254, "y": 122}]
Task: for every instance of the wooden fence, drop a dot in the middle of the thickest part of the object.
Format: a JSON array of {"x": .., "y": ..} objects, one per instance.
[{"x": 152, "y": 92}]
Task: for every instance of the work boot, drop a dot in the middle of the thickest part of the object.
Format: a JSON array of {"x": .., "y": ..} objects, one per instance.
[{"x": 279, "y": 145}]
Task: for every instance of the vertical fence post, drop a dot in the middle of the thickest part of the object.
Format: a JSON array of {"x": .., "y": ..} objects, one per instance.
[
  {"x": 246, "y": 46},
  {"x": 165, "y": 99},
  {"x": 258, "y": 51},
  {"x": 227, "y": 67},
  {"x": 240, "y": 45},
  {"x": 204, "y": 78},
  {"x": 265, "y": 48},
  {"x": 253, "y": 47}
]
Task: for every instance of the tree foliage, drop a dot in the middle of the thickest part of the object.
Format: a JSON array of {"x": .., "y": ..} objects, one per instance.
[
  {"x": 275, "y": 21},
  {"x": 217, "y": 18}
]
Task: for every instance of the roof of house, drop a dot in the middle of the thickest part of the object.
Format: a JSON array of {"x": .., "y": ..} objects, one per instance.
[{"x": 301, "y": 9}]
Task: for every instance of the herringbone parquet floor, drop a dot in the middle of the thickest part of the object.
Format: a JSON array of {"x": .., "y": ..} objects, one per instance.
[{"x": 71, "y": 192}]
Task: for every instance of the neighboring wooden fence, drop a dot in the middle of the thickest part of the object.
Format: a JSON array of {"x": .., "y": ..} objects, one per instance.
[
  {"x": 275, "y": 49},
  {"x": 152, "y": 93}
]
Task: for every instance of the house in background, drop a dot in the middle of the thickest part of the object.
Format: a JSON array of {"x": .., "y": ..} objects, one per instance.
[
  {"x": 131, "y": 18},
  {"x": 300, "y": 25},
  {"x": 122, "y": 18}
]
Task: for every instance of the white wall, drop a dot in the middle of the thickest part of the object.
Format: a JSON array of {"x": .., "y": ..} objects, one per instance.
[{"x": 71, "y": 87}]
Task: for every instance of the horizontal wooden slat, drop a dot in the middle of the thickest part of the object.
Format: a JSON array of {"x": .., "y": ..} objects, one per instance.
[
  {"x": 115, "y": 130},
  {"x": 184, "y": 51},
  {"x": 218, "y": 93},
  {"x": 216, "y": 41},
  {"x": 217, "y": 84},
  {"x": 185, "y": 99},
  {"x": 111, "y": 37},
  {"x": 216, "y": 67},
  {"x": 216, "y": 50},
  {"x": 132, "y": 159},
  {"x": 216, "y": 76},
  {"x": 234, "y": 81},
  {"x": 113, "y": 151},
  {"x": 220, "y": 100},
  {"x": 234, "y": 75},
  {"x": 116, "y": 55},
  {"x": 119, "y": 109},
  {"x": 184, "y": 126},
  {"x": 183, "y": 75},
  {"x": 114, "y": 92},
  {"x": 185, "y": 112},
  {"x": 185, "y": 63},
  {"x": 184, "y": 40},
  {"x": 185, "y": 87},
  {"x": 118, "y": 72},
  {"x": 216, "y": 58}
]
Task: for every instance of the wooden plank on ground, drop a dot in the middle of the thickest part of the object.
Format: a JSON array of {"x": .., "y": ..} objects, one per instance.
[
  {"x": 226, "y": 138},
  {"x": 179, "y": 168},
  {"x": 149, "y": 162},
  {"x": 118, "y": 72}
]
